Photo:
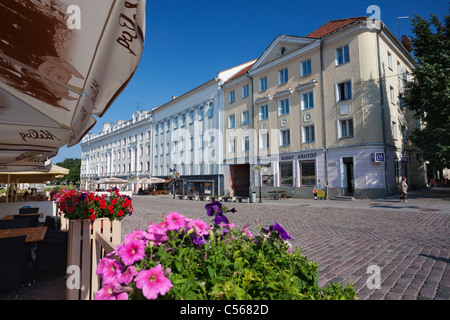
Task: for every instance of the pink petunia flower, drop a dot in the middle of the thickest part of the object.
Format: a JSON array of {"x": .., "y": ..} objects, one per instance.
[
  {"x": 128, "y": 275},
  {"x": 109, "y": 270},
  {"x": 153, "y": 282},
  {"x": 131, "y": 251},
  {"x": 111, "y": 291},
  {"x": 156, "y": 234},
  {"x": 200, "y": 227},
  {"x": 134, "y": 235},
  {"x": 174, "y": 221}
]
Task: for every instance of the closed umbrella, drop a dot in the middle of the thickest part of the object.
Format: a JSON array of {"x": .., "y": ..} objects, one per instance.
[{"x": 62, "y": 62}]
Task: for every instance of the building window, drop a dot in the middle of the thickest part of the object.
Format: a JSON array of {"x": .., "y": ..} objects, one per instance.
[
  {"x": 231, "y": 121},
  {"x": 183, "y": 120},
  {"x": 307, "y": 173},
  {"x": 389, "y": 55},
  {"x": 264, "y": 112},
  {"x": 394, "y": 130},
  {"x": 283, "y": 107},
  {"x": 246, "y": 144},
  {"x": 285, "y": 137},
  {"x": 245, "y": 91},
  {"x": 263, "y": 84},
  {"x": 231, "y": 96},
  {"x": 264, "y": 140},
  {"x": 344, "y": 90},
  {"x": 392, "y": 93},
  {"x": 211, "y": 110},
  {"x": 283, "y": 76},
  {"x": 191, "y": 116},
  {"x": 245, "y": 117},
  {"x": 342, "y": 55},
  {"x": 307, "y": 100},
  {"x": 286, "y": 178},
  {"x": 200, "y": 114},
  {"x": 231, "y": 146},
  {"x": 308, "y": 134},
  {"x": 346, "y": 128},
  {"x": 305, "y": 68},
  {"x": 399, "y": 70}
]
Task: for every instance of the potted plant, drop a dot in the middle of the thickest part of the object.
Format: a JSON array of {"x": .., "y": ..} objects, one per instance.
[
  {"x": 182, "y": 258},
  {"x": 86, "y": 213}
]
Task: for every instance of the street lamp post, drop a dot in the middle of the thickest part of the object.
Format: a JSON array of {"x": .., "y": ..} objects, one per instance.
[{"x": 174, "y": 177}]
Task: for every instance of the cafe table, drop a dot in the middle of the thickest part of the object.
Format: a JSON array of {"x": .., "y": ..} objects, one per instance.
[
  {"x": 33, "y": 234},
  {"x": 11, "y": 216}
]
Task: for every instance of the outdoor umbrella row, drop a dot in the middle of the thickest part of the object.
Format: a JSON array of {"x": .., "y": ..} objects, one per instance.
[{"x": 62, "y": 62}]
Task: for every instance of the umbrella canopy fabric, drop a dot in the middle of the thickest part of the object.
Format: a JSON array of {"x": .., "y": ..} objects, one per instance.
[
  {"x": 60, "y": 65},
  {"x": 152, "y": 180},
  {"x": 34, "y": 176},
  {"x": 111, "y": 181}
]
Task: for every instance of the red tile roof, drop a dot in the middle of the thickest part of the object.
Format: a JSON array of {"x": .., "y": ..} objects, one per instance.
[
  {"x": 243, "y": 71},
  {"x": 333, "y": 26}
]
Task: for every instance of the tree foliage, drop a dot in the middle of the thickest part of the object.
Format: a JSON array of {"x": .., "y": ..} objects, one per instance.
[
  {"x": 428, "y": 94},
  {"x": 74, "y": 165}
]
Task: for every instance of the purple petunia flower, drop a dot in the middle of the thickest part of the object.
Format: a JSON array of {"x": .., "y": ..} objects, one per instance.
[
  {"x": 213, "y": 207},
  {"x": 281, "y": 231}
]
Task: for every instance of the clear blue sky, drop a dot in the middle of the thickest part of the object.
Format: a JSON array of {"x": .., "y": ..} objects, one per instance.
[{"x": 189, "y": 42}]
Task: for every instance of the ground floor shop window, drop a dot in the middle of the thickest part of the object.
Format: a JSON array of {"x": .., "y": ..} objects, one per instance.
[
  {"x": 308, "y": 173},
  {"x": 267, "y": 180},
  {"x": 286, "y": 173}
]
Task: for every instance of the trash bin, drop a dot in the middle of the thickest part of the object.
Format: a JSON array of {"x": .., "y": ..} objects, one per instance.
[{"x": 253, "y": 197}]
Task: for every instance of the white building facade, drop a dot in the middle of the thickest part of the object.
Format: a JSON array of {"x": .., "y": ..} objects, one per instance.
[
  {"x": 122, "y": 149},
  {"x": 187, "y": 138}
]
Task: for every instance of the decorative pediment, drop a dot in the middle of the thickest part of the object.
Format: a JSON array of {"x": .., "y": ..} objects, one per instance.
[{"x": 283, "y": 47}]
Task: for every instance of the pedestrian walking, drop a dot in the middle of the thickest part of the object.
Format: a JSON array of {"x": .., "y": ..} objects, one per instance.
[{"x": 403, "y": 190}]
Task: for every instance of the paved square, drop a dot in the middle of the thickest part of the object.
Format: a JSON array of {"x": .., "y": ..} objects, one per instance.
[{"x": 408, "y": 242}]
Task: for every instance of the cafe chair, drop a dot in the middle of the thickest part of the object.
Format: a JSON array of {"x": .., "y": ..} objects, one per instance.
[
  {"x": 51, "y": 253},
  {"x": 13, "y": 263},
  {"x": 14, "y": 223},
  {"x": 28, "y": 209},
  {"x": 33, "y": 219},
  {"x": 52, "y": 223}
]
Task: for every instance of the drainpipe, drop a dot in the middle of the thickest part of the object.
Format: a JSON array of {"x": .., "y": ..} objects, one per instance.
[
  {"x": 254, "y": 144},
  {"x": 383, "y": 124},
  {"x": 324, "y": 119}
]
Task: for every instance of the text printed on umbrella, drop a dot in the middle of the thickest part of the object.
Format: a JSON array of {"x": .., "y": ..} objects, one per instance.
[{"x": 38, "y": 135}]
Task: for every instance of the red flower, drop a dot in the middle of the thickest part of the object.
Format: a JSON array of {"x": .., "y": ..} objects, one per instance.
[
  {"x": 120, "y": 213},
  {"x": 70, "y": 209},
  {"x": 91, "y": 210},
  {"x": 113, "y": 202},
  {"x": 92, "y": 217},
  {"x": 102, "y": 204}
]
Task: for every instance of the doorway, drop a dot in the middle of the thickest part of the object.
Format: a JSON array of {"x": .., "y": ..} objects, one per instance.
[
  {"x": 348, "y": 182},
  {"x": 240, "y": 180}
]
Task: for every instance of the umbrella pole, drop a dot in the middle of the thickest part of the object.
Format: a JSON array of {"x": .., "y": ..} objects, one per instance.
[
  {"x": 7, "y": 189},
  {"x": 17, "y": 191}
]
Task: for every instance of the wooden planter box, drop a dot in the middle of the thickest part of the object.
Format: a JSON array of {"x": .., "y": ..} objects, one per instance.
[{"x": 85, "y": 251}]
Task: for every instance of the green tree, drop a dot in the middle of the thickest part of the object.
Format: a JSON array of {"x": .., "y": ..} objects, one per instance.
[
  {"x": 74, "y": 165},
  {"x": 428, "y": 94}
]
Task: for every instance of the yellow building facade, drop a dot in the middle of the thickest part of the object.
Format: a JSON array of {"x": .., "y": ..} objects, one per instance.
[{"x": 322, "y": 111}]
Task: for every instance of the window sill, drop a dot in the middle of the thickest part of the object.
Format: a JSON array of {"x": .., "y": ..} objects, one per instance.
[{"x": 343, "y": 63}]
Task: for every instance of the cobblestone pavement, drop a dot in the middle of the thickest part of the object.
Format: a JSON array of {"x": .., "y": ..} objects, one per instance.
[{"x": 409, "y": 242}]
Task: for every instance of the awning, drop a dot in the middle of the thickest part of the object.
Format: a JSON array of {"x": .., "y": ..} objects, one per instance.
[
  {"x": 62, "y": 62},
  {"x": 34, "y": 176}
]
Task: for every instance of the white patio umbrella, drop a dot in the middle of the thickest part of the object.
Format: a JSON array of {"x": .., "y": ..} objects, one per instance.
[
  {"x": 111, "y": 180},
  {"x": 152, "y": 180},
  {"x": 62, "y": 62}
]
